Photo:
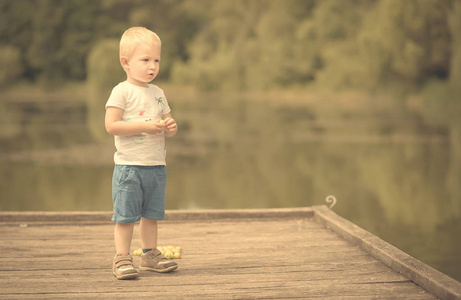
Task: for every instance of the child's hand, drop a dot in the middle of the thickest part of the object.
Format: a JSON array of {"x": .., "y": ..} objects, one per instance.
[
  {"x": 170, "y": 126},
  {"x": 153, "y": 127}
]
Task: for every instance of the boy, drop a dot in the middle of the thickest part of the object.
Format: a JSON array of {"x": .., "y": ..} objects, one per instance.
[{"x": 138, "y": 116}]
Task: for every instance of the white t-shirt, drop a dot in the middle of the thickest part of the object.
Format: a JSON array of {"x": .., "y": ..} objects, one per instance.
[{"x": 139, "y": 104}]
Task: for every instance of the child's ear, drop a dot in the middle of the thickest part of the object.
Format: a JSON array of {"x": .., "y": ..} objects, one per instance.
[{"x": 124, "y": 62}]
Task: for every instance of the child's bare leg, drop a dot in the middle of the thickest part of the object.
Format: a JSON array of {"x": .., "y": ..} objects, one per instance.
[
  {"x": 148, "y": 231},
  {"x": 123, "y": 234}
]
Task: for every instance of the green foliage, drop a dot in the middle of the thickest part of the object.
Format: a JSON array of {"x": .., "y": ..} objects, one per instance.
[
  {"x": 454, "y": 21},
  {"x": 357, "y": 44},
  {"x": 248, "y": 44},
  {"x": 406, "y": 41},
  {"x": 173, "y": 22},
  {"x": 246, "y": 47},
  {"x": 333, "y": 32},
  {"x": 104, "y": 72},
  {"x": 104, "y": 69},
  {"x": 10, "y": 64},
  {"x": 62, "y": 33}
]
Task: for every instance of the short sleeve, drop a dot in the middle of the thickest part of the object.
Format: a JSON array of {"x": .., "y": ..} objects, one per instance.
[{"x": 117, "y": 97}]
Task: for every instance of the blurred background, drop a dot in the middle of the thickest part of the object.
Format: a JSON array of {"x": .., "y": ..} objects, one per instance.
[{"x": 279, "y": 103}]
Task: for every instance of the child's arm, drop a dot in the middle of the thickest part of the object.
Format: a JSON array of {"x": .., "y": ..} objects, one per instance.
[
  {"x": 115, "y": 125},
  {"x": 170, "y": 125}
]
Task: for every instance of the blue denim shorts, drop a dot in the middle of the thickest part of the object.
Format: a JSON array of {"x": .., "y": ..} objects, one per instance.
[{"x": 138, "y": 191}]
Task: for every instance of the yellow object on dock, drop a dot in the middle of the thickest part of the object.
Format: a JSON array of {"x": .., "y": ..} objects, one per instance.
[{"x": 170, "y": 252}]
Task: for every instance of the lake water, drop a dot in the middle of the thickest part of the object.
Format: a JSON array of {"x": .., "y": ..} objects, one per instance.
[{"x": 393, "y": 180}]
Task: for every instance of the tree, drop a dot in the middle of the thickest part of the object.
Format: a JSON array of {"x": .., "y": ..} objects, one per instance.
[
  {"x": 15, "y": 31},
  {"x": 406, "y": 42},
  {"x": 159, "y": 16},
  {"x": 104, "y": 72},
  {"x": 329, "y": 38},
  {"x": 62, "y": 34},
  {"x": 10, "y": 64},
  {"x": 244, "y": 44}
]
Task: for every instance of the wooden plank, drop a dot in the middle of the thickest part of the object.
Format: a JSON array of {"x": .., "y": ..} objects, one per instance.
[
  {"x": 248, "y": 258},
  {"x": 438, "y": 283},
  {"x": 47, "y": 217}
]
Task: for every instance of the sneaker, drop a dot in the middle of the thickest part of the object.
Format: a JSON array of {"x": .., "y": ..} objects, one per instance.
[
  {"x": 123, "y": 267},
  {"x": 155, "y": 261}
]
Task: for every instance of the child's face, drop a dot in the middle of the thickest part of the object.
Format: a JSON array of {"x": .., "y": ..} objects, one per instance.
[{"x": 143, "y": 65}]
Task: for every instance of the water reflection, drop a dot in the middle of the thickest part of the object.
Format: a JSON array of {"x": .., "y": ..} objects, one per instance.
[
  {"x": 28, "y": 186},
  {"x": 240, "y": 155}
]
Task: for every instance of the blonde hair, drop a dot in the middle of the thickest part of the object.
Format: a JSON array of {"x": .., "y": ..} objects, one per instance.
[{"x": 133, "y": 36}]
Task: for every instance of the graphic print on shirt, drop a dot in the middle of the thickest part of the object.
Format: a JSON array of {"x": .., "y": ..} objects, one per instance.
[
  {"x": 161, "y": 102},
  {"x": 151, "y": 111}
]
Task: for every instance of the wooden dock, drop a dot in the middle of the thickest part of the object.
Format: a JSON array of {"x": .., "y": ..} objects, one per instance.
[{"x": 300, "y": 253}]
